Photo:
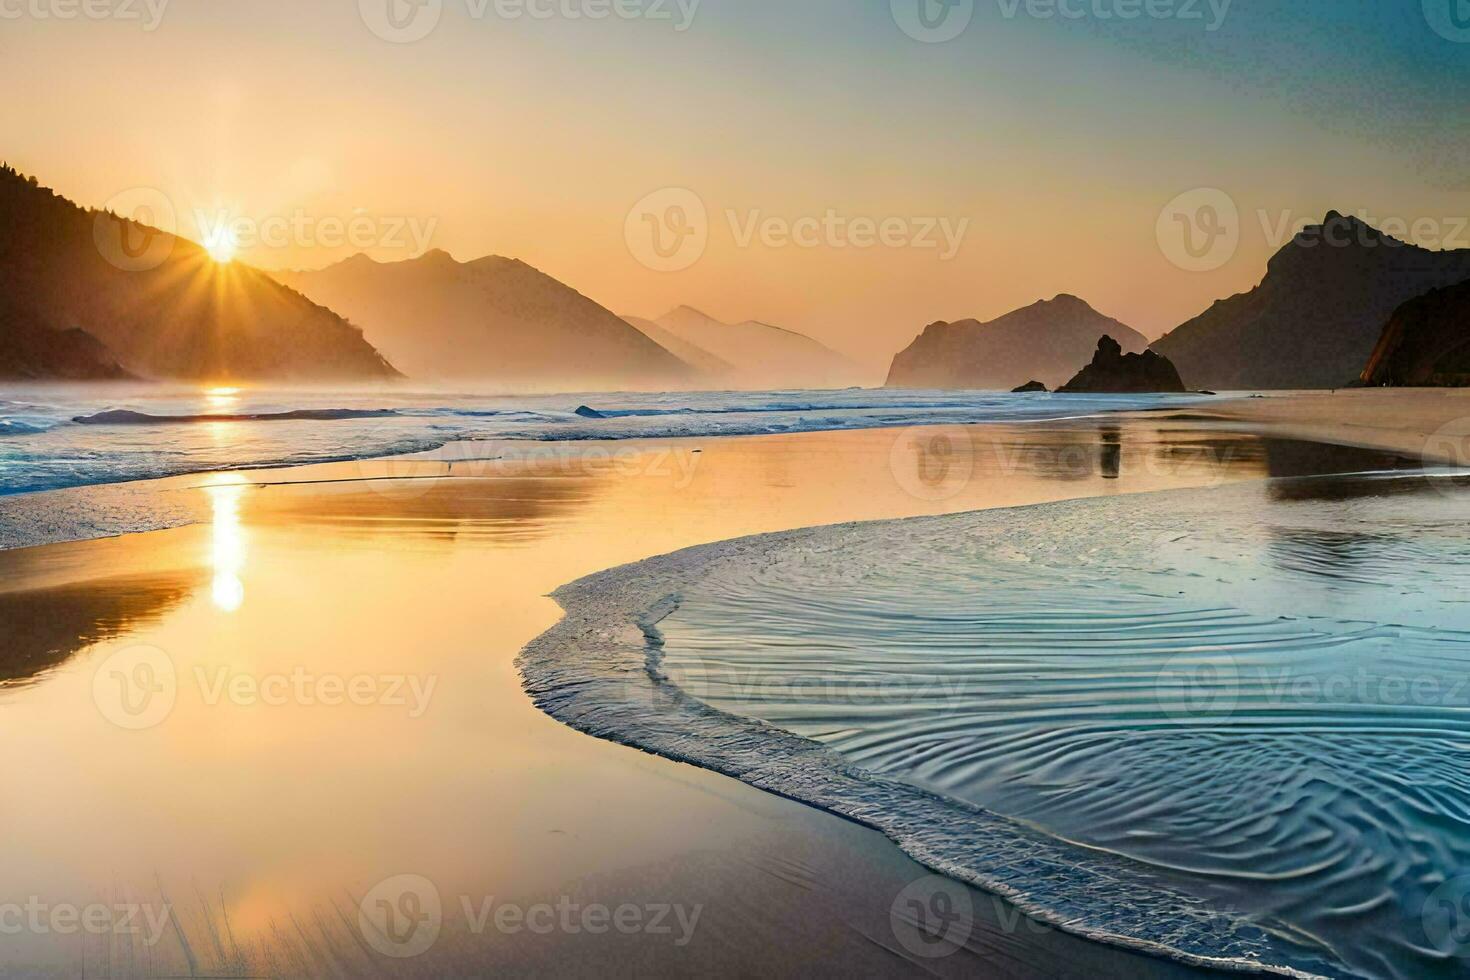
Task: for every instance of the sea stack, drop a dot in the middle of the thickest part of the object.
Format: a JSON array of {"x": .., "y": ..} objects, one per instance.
[{"x": 1112, "y": 371}]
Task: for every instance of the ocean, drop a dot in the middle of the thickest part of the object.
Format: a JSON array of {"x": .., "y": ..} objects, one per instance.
[{"x": 172, "y": 431}]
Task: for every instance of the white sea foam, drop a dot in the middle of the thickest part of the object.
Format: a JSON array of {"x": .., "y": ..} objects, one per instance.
[
  {"x": 158, "y": 433},
  {"x": 1108, "y": 671}
]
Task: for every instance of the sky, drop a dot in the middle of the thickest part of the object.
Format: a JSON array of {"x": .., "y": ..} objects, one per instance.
[{"x": 847, "y": 168}]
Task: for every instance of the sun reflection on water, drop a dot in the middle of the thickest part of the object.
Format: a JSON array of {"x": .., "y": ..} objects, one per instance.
[{"x": 227, "y": 542}]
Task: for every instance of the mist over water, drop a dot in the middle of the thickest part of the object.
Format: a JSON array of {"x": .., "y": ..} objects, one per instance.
[
  {"x": 171, "y": 432},
  {"x": 1260, "y": 693}
]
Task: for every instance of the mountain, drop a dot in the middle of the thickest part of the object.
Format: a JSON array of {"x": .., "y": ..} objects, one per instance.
[
  {"x": 30, "y": 351},
  {"x": 1314, "y": 320},
  {"x": 758, "y": 355},
  {"x": 173, "y": 314},
  {"x": 1114, "y": 372},
  {"x": 492, "y": 319},
  {"x": 1044, "y": 342},
  {"x": 1426, "y": 342},
  {"x": 709, "y": 366}
]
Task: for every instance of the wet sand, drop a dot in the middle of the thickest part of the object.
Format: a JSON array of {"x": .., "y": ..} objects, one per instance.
[
  {"x": 1432, "y": 423},
  {"x": 299, "y": 726}
]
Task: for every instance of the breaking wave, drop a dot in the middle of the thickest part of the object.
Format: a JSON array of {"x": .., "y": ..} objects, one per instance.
[{"x": 67, "y": 437}]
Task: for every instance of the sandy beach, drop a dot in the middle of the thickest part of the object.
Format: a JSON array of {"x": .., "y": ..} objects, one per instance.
[
  {"x": 1432, "y": 423},
  {"x": 258, "y": 724}
]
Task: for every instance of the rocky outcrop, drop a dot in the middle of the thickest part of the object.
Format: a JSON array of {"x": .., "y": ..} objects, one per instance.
[
  {"x": 1115, "y": 372},
  {"x": 1315, "y": 318},
  {"x": 1045, "y": 341},
  {"x": 1426, "y": 343},
  {"x": 32, "y": 352},
  {"x": 157, "y": 303},
  {"x": 1030, "y": 388}
]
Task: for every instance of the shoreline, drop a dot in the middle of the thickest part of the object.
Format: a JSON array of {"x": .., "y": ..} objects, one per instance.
[
  {"x": 1431, "y": 424},
  {"x": 521, "y": 806},
  {"x": 599, "y": 672},
  {"x": 518, "y": 533}
]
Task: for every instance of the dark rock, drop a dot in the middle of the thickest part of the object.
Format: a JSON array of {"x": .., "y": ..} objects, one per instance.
[
  {"x": 1313, "y": 321},
  {"x": 1112, "y": 371},
  {"x": 1426, "y": 342},
  {"x": 1030, "y": 387},
  {"x": 590, "y": 413}
]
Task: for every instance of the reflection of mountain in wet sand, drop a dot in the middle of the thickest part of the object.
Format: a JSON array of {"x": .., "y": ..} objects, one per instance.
[
  {"x": 440, "y": 503},
  {"x": 41, "y": 629}
]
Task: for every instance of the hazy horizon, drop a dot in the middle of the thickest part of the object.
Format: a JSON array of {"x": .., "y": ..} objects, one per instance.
[{"x": 994, "y": 181}]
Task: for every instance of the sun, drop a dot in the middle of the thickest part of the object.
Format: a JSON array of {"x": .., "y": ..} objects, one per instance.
[{"x": 221, "y": 245}]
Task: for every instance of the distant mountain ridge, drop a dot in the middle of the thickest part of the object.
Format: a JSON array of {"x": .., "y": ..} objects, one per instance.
[
  {"x": 492, "y": 318},
  {"x": 756, "y": 355},
  {"x": 709, "y": 366},
  {"x": 182, "y": 316},
  {"x": 1318, "y": 314},
  {"x": 1048, "y": 342}
]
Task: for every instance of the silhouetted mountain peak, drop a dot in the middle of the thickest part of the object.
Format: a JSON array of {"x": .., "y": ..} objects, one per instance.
[
  {"x": 761, "y": 354},
  {"x": 1317, "y": 314},
  {"x": 492, "y": 318},
  {"x": 684, "y": 311},
  {"x": 171, "y": 313},
  {"x": 1044, "y": 341}
]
